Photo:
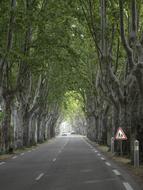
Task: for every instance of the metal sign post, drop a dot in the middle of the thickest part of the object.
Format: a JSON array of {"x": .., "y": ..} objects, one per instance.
[
  {"x": 112, "y": 145},
  {"x": 136, "y": 153},
  {"x": 121, "y": 148}
]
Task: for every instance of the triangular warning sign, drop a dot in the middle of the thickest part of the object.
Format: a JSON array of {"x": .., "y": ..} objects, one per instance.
[{"x": 120, "y": 135}]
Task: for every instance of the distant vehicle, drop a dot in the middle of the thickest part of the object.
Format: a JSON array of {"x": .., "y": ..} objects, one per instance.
[
  {"x": 73, "y": 132},
  {"x": 64, "y": 134}
]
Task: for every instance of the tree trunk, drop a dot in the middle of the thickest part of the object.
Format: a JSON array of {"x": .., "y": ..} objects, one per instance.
[
  {"x": 26, "y": 130},
  {"x": 6, "y": 124}
]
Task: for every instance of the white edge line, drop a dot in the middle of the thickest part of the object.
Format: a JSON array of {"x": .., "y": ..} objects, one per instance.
[
  {"x": 107, "y": 163},
  {"x": 116, "y": 172},
  {"x": 127, "y": 186},
  {"x": 39, "y": 177},
  {"x": 14, "y": 157}
]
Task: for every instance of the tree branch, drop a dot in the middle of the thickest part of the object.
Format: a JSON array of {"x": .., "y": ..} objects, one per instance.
[{"x": 124, "y": 40}]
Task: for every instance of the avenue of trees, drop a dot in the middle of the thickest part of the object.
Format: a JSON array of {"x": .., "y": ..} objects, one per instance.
[{"x": 54, "y": 53}]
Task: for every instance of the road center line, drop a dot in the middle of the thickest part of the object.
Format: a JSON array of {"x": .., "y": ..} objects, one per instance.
[
  {"x": 102, "y": 158},
  {"x": 39, "y": 177},
  {"x": 2, "y": 163},
  {"x": 54, "y": 159},
  {"x": 116, "y": 172},
  {"x": 127, "y": 186},
  {"x": 86, "y": 170},
  {"x": 107, "y": 163},
  {"x": 99, "y": 154}
]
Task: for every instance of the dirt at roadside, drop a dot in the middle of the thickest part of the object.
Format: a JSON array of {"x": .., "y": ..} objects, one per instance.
[{"x": 4, "y": 157}]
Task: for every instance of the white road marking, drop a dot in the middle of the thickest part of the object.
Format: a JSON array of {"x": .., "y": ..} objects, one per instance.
[
  {"x": 99, "y": 181},
  {"x": 99, "y": 154},
  {"x": 39, "y": 177},
  {"x": 14, "y": 157},
  {"x": 2, "y": 163},
  {"x": 116, "y": 172},
  {"x": 86, "y": 170},
  {"x": 29, "y": 150},
  {"x": 102, "y": 158},
  {"x": 95, "y": 151},
  {"x": 22, "y": 154},
  {"x": 54, "y": 159},
  {"x": 107, "y": 163},
  {"x": 127, "y": 186}
]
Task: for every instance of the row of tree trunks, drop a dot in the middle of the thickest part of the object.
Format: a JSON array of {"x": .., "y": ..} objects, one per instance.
[
  {"x": 31, "y": 129},
  {"x": 123, "y": 93}
]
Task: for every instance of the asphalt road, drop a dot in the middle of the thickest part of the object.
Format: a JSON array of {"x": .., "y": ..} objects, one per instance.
[{"x": 66, "y": 163}]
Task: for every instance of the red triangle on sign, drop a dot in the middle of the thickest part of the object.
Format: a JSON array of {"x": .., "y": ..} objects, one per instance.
[{"x": 120, "y": 135}]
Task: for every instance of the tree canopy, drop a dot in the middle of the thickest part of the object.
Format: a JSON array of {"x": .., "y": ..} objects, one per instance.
[{"x": 71, "y": 58}]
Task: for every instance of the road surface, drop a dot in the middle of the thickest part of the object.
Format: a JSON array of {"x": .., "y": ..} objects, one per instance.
[{"x": 66, "y": 163}]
